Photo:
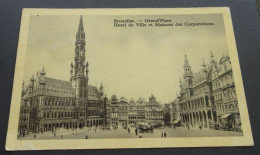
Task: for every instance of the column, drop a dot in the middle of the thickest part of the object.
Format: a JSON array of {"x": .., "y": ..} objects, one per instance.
[
  {"x": 212, "y": 116},
  {"x": 189, "y": 119},
  {"x": 203, "y": 119},
  {"x": 192, "y": 120},
  {"x": 207, "y": 119},
  {"x": 199, "y": 123}
]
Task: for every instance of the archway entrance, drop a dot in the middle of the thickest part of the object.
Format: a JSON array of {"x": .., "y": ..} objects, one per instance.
[{"x": 81, "y": 124}]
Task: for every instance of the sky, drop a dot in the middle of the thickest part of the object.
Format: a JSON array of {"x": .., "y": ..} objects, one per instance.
[{"x": 131, "y": 62}]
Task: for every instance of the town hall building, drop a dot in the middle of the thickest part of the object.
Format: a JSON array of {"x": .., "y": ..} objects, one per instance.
[{"x": 48, "y": 104}]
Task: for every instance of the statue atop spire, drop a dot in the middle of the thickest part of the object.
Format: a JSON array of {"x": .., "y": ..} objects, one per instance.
[
  {"x": 203, "y": 62},
  {"x": 101, "y": 89},
  {"x": 211, "y": 54}
]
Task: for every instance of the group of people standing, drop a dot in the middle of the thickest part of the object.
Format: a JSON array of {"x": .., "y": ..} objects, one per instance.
[{"x": 163, "y": 134}]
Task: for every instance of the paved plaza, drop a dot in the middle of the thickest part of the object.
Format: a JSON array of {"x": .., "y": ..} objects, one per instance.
[{"x": 123, "y": 133}]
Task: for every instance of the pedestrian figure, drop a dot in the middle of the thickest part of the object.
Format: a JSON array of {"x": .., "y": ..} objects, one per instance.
[
  {"x": 164, "y": 134},
  {"x": 200, "y": 127},
  {"x": 61, "y": 136},
  {"x": 136, "y": 131},
  {"x": 128, "y": 130},
  {"x": 86, "y": 137}
]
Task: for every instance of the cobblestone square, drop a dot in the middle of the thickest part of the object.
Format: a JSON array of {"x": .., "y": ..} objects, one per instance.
[{"x": 123, "y": 133}]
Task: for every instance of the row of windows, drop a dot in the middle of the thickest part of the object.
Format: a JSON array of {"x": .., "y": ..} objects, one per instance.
[
  {"x": 24, "y": 120},
  {"x": 224, "y": 108},
  {"x": 69, "y": 103},
  {"x": 23, "y": 111},
  {"x": 62, "y": 114},
  {"x": 58, "y": 91},
  {"x": 58, "y": 103},
  {"x": 201, "y": 90}
]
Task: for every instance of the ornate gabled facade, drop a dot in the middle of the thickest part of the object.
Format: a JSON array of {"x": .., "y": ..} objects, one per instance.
[
  {"x": 208, "y": 95},
  {"x": 124, "y": 112},
  {"x": 48, "y": 104},
  {"x": 225, "y": 97},
  {"x": 195, "y": 100},
  {"x": 153, "y": 111}
]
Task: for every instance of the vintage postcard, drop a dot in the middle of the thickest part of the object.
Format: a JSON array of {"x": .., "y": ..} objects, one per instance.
[{"x": 127, "y": 78}]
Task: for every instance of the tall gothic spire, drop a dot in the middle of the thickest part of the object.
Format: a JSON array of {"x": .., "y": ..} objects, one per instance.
[
  {"x": 186, "y": 61},
  {"x": 80, "y": 34},
  {"x": 212, "y": 59},
  {"x": 79, "y": 71},
  {"x": 81, "y": 27},
  {"x": 43, "y": 70},
  {"x": 79, "y": 62}
]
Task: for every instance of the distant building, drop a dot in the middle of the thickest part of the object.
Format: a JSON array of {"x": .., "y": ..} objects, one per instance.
[
  {"x": 123, "y": 111},
  {"x": 114, "y": 110},
  {"x": 167, "y": 113},
  {"x": 153, "y": 111},
  {"x": 174, "y": 113},
  {"x": 132, "y": 112},
  {"x": 140, "y": 108}
]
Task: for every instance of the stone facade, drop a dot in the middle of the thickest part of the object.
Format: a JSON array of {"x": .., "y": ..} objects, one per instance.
[
  {"x": 208, "y": 97},
  {"x": 124, "y": 112},
  {"x": 48, "y": 104},
  {"x": 153, "y": 111}
]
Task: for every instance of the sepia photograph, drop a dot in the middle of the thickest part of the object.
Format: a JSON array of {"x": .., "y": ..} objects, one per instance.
[{"x": 127, "y": 78}]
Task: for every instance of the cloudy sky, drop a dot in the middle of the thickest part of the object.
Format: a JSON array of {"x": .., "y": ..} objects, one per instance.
[{"x": 130, "y": 62}]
